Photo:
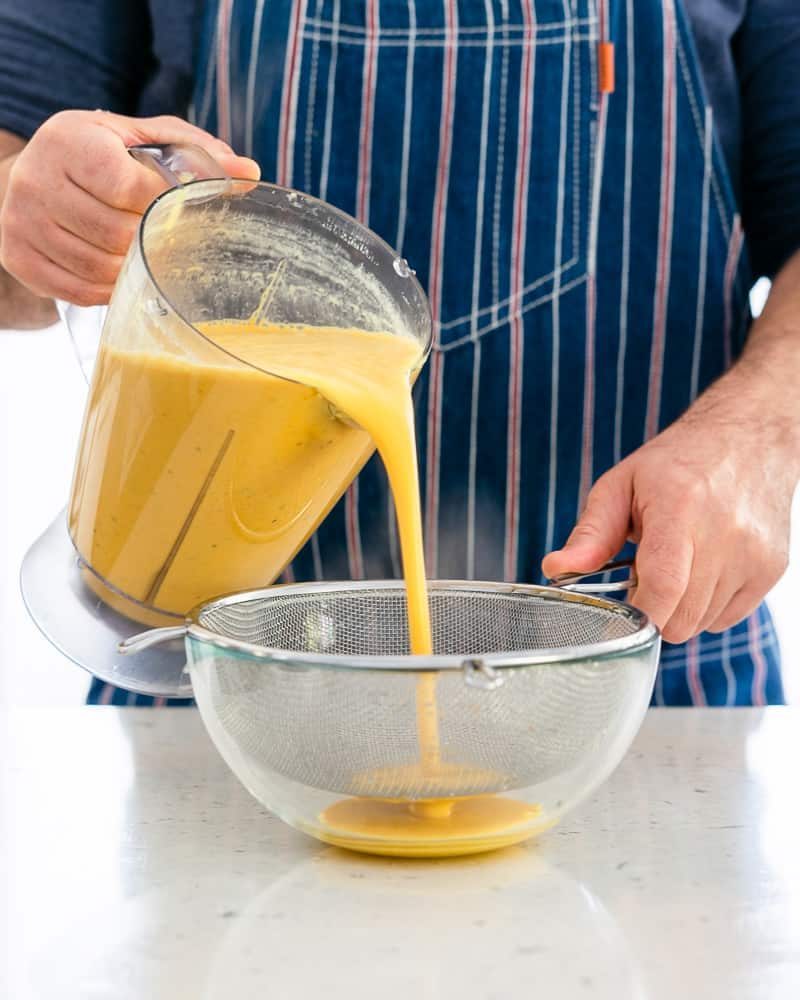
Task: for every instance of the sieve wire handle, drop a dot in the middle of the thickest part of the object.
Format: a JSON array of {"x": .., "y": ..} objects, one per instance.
[
  {"x": 571, "y": 581},
  {"x": 153, "y": 637}
]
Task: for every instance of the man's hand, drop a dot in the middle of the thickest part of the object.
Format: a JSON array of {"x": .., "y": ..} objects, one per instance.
[
  {"x": 708, "y": 501},
  {"x": 75, "y": 197}
]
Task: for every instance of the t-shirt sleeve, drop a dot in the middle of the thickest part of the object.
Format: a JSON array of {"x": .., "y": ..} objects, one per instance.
[
  {"x": 767, "y": 51},
  {"x": 58, "y": 54}
]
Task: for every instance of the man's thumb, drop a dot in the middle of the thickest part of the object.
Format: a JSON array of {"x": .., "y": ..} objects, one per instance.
[
  {"x": 602, "y": 528},
  {"x": 241, "y": 167}
]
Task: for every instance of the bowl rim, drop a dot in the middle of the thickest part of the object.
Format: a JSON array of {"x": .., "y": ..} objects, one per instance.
[{"x": 645, "y": 635}]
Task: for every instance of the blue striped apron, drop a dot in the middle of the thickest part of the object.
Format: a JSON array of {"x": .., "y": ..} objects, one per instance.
[{"x": 581, "y": 250}]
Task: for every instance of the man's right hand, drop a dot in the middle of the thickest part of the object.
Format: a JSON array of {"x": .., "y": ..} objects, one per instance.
[{"x": 75, "y": 197}]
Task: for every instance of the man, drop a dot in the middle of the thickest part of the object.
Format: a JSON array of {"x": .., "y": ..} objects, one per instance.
[{"x": 573, "y": 198}]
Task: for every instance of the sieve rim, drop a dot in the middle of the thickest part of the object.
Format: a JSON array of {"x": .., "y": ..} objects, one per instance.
[{"x": 646, "y": 633}]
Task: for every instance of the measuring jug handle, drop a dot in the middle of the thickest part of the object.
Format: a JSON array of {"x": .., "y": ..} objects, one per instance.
[{"x": 179, "y": 163}]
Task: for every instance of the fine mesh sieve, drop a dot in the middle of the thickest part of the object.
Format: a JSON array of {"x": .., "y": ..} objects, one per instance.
[{"x": 313, "y": 683}]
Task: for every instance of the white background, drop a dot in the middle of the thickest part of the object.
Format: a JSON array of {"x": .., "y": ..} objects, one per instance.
[{"x": 41, "y": 400}]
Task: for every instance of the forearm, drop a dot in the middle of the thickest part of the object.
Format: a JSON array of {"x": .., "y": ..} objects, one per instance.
[
  {"x": 762, "y": 390},
  {"x": 19, "y": 308},
  {"x": 9, "y": 143}
]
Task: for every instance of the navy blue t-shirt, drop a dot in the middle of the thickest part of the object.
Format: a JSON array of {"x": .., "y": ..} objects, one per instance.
[{"x": 137, "y": 57}]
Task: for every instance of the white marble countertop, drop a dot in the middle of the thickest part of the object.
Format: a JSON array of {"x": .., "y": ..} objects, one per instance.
[{"x": 133, "y": 866}]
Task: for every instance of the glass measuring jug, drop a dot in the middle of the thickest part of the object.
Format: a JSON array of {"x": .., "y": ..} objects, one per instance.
[{"x": 197, "y": 473}]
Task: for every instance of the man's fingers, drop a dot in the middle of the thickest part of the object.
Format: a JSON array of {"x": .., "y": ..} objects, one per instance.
[
  {"x": 76, "y": 256},
  {"x": 760, "y": 581},
  {"x": 106, "y": 170},
  {"x": 110, "y": 174},
  {"x": 75, "y": 197},
  {"x": 42, "y": 233},
  {"x": 241, "y": 167},
  {"x": 692, "y": 611},
  {"x": 724, "y": 592},
  {"x": 663, "y": 566},
  {"x": 46, "y": 278},
  {"x": 601, "y": 530},
  {"x": 743, "y": 603},
  {"x": 106, "y": 228}
]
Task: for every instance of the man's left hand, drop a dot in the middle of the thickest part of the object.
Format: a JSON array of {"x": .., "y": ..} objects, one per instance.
[{"x": 708, "y": 503}]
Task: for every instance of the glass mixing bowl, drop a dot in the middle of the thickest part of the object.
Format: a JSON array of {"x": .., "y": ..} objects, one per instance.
[{"x": 536, "y": 694}]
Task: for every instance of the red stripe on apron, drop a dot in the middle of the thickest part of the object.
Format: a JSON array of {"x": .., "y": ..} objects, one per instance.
[
  {"x": 731, "y": 265},
  {"x": 289, "y": 98},
  {"x": 693, "y": 678},
  {"x": 587, "y": 444},
  {"x": 518, "y": 270},
  {"x": 367, "y": 107},
  {"x": 665, "y": 222},
  {"x": 437, "y": 253},
  {"x": 291, "y": 77},
  {"x": 758, "y": 691},
  {"x": 223, "y": 70},
  {"x": 355, "y": 554}
]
